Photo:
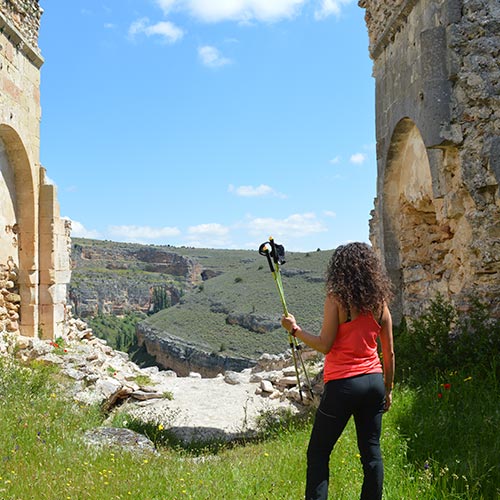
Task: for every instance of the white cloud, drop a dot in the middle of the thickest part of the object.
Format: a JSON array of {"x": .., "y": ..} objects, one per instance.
[
  {"x": 138, "y": 26},
  {"x": 294, "y": 226},
  {"x": 357, "y": 158},
  {"x": 329, "y": 213},
  {"x": 335, "y": 160},
  {"x": 136, "y": 233},
  {"x": 165, "y": 29},
  {"x": 166, "y": 5},
  {"x": 235, "y": 10},
  {"x": 210, "y": 229},
  {"x": 251, "y": 191},
  {"x": 211, "y": 57},
  {"x": 78, "y": 230},
  {"x": 211, "y": 235},
  {"x": 329, "y": 8}
]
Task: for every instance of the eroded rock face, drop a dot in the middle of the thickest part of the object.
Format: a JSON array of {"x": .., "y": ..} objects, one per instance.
[
  {"x": 436, "y": 220},
  {"x": 178, "y": 355},
  {"x": 96, "y": 287}
]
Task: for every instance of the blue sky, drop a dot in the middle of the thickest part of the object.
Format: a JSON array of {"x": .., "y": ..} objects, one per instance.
[{"x": 210, "y": 123}]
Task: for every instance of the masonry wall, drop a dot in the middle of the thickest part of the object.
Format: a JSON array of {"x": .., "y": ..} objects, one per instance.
[
  {"x": 32, "y": 235},
  {"x": 436, "y": 219}
]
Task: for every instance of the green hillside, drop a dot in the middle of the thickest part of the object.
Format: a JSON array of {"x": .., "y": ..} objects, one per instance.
[
  {"x": 238, "y": 311},
  {"x": 233, "y": 308}
]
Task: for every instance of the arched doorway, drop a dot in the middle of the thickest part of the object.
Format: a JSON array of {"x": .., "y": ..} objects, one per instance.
[
  {"x": 414, "y": 240},
  {"x": 20, "y": 233},
  {"x": 8, "y": 204}
]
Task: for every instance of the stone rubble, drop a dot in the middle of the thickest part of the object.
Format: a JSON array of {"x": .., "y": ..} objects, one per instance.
[
  {"x": 10, "y": 299},
  {"x": 193, "y": 408}
]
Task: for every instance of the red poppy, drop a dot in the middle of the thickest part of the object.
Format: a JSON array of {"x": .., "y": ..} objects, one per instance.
[
  {"x": 447, "y": 386},
  {"x": 440, "y": 395}
]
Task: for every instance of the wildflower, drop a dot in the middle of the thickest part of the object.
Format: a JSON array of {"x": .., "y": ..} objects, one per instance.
[
  {"x": 358, "y": 455},
  {"x": 426, "y": 465},
  {"x": 467, "y": 379},
  {"x": 447, "y": 387},
  {"x": 160, "y": 427},
  {"x": 440, "y": 395}
]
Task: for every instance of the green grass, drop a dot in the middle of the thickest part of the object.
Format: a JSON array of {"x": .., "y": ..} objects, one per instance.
[{"x": 434, "y": 448}]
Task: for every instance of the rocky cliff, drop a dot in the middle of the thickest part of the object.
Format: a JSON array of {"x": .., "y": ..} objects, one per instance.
[
  {"x": 114, "y": 278},
  {"x": 173, "y": 353}
]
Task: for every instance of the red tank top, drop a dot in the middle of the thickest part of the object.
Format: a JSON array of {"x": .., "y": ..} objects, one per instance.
[{"x": 354, "y": 351}]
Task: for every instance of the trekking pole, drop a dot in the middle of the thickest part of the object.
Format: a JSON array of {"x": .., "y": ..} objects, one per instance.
[{"x": 275, "y": 258}]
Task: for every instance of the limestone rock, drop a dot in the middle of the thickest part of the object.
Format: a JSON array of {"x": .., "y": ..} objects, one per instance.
[{"x": 119, "y": 438}]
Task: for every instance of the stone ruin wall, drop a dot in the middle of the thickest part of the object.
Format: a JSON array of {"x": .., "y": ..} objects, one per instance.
[
  {"x": 24, "y": 16},
  {"x": 34, "y": 250},
  {"x": 437, "y": 213}
]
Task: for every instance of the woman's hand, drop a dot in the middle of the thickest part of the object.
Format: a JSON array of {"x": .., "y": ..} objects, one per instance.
[
  {"x": 288, "y": 322},
  {"x": 388, "y": 399}
]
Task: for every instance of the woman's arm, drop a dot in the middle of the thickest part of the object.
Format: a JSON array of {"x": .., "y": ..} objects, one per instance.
[
  {"x": 324, "y": 341},
  {"x": 387, "y": 342}
]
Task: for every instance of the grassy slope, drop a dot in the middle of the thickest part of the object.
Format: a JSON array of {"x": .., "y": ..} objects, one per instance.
[
  {"x": 246, "y": 286},
  {"x": 434, "y": 449}
]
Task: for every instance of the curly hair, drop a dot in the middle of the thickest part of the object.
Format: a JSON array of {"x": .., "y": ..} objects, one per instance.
[{"x": 356, "y": 279}]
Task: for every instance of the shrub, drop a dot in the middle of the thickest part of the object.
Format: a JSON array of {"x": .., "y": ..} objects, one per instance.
[
  {"x": 443, "y": 339},
  {"x": 119, "y": 332}
]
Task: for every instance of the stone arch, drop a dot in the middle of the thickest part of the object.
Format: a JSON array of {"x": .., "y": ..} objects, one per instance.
[
  {"x": 23, "y": 194},
  {"x": 8, "y": 216},
  {"x": 411, "y": 215}
]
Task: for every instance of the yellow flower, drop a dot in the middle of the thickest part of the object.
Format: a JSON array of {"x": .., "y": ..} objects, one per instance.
[
  {"x": 467, "y": 379},
  {"x": 160, "y": 427}
]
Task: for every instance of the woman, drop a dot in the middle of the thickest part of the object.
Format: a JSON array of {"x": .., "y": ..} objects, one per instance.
[{"x": 355, "y": 315}]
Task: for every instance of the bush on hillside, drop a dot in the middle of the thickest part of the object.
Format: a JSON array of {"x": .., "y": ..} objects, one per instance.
[{"x": 117, "y": 331}]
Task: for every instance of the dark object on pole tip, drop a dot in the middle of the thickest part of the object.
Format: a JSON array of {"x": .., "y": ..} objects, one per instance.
[{"x": 276, "y": 254}]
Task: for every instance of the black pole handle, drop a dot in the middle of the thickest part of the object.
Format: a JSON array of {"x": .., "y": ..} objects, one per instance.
[{"x": 263, "y": 250}]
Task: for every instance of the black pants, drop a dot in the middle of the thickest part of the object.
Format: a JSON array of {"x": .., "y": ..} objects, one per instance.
[{"x": 363, "y": 397}]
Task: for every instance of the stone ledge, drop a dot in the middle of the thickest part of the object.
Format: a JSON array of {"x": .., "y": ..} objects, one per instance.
[{"x": 19, "y": 42}]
